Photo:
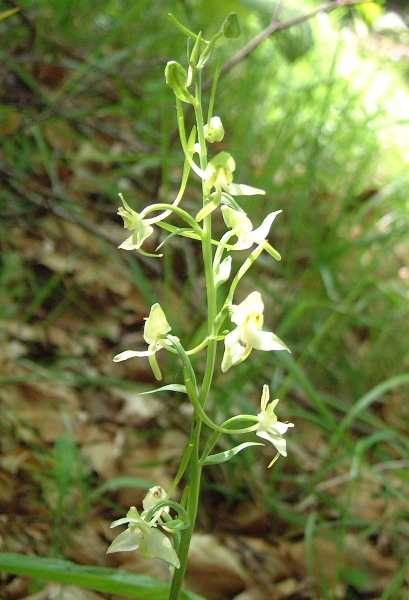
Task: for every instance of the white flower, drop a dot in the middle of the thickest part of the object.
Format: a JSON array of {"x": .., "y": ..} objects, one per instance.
[
  {"x": 248, "y": 316},
  {"x": 156, "y": 327},
  {"x": 144, "y": 536},
  {"x": 133, "y": 222},
  {"x": 269, "y": 427},
  {"x": 243, "y": 227}
]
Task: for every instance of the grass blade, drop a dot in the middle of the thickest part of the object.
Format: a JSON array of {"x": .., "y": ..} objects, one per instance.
[{"x": 100, "y": 579}]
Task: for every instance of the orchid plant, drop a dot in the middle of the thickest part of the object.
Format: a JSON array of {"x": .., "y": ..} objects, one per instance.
[{"x": 164, "y": 528}]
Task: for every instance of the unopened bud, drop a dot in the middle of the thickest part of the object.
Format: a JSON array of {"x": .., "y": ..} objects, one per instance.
[
  {"x": 214, "y": 131},
  {"x": 177, "y": 79},
  {"x": 175, "y": 74},
  {"x": 231, "y": 26}
]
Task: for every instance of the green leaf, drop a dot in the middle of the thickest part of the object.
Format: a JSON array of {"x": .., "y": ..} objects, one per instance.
[
  {"x": 216, "y": 459},
  {"x": 100, "y": 579}
]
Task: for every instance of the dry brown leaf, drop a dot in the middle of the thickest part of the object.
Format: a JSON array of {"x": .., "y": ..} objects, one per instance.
[
  {"x": 260, "y": 592},
  {"x": 266, "y": 562},
  {"x": 172, "y": 444},
  {"x": 142, "y": 462},
  {"x": 101, "y": 458},
  {"x": 86, "y": 546},
  {"x": 214, "y": 571},
  {"x": 136, "y": 409},
  {"x": 57, "y": 591}
]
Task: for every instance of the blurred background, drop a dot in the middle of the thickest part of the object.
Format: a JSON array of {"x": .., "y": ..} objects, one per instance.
[{"x": 318, "y": 116}]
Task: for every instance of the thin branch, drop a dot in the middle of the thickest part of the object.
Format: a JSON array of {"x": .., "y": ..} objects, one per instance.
[{"x": 278, "y": 26}]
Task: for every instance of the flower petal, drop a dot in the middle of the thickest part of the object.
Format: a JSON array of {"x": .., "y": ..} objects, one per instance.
[
  {"x": 262, "y": 232},
  {"x": 157, "y": 545},
  {"x": 130, "y": 354},
  {"x": 128, "y": 244},
  {"x": 235, "y": 350},
  {"x": 252, "y": 304},
  {"x": 156, "y": 325},
  {"x": 240, "y": 189},
  {"x": 278, "y": 442},
  {"x": 265, "y": 340},
  {"x": 235, "y": 219},
  {"x": 155, "y": 494},
  {"x": 141, "y": 232},
  {"x": 126, "y": 541}
]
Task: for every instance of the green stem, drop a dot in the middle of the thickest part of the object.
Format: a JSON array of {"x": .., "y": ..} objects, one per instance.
[
  {"x": 195, "y": 472},
  {"x": 182, "y": 134},
  {"x": 194, "y": 466},
  {"x": 207, "y": 258}
]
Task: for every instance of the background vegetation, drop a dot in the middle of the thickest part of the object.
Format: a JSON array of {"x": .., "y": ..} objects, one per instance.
[{"x": 317, "y": 116}]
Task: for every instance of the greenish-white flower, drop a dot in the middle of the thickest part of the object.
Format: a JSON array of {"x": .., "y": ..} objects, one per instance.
[
  {"x": 154, "y": 495},
  {"x": 133, "y": 222},
  {"x": 248, "y": 316},
  {"x": 269, "y": 427},
  {"x": 219, "y": 175},
  {"x": 242, "y": 227},
  {"x": 143, "y": 536},
  {"x": 156, "y": 327},
  {"x": 214, "y": 131}
]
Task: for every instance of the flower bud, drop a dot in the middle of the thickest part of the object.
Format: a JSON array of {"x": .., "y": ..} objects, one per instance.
[
  {"x": 219, "y": 170},
  {"x": 175, "y": 74},
  {"x": 214, "y": 131},
  {"x": 177, "y": 79},
  {"x": 154, "y": 495},
  {"x": 231, "y": 26}
]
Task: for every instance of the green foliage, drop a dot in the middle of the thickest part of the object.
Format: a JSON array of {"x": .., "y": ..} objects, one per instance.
[{"x": 109, "y": 581}]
